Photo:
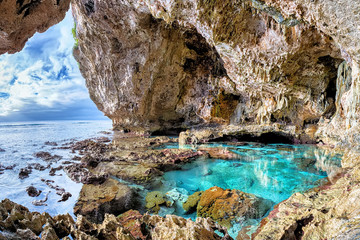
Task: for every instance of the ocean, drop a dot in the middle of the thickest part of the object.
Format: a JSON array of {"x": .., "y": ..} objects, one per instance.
[{"x": 19, "y": 141}]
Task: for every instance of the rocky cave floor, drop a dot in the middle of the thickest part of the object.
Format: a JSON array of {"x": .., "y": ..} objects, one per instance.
[{"x": 111, "y": 209}]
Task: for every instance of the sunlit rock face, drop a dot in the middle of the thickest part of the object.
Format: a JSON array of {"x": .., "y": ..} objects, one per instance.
[
  {"x": 21, "y": 19},
  {"x": 153, "y": 65}
]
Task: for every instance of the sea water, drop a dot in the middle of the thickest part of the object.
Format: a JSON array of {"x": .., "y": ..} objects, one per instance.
[
  {"x": 21, "y": 140},
  {"x": 272, "y": 171}
]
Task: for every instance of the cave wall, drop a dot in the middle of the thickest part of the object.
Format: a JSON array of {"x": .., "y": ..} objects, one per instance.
[
  {"x": 21, "y": 19},
  {"x": 153, "y": 65}
]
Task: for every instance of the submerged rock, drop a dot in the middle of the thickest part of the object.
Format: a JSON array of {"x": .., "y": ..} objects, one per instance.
[
  {"x": 224, "y": 206},
  {"x": 155, "y": 199},
  {"x": 191, "y": 203},
  {"x": 109, "y": 197}
]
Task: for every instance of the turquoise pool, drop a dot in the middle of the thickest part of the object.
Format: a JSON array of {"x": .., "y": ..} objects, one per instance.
[{"x": 272, "y": 171}]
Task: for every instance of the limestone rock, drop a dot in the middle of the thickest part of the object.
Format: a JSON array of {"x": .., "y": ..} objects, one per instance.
[
  {"x": 224, "y": 206},
  {"x": 174, "y": 227},
  {"x": 161, "y": 65},
  {"x": 20, "y": 20},
  {"x": 191, "y": 203},
  {"x": 110, "y": 197}
]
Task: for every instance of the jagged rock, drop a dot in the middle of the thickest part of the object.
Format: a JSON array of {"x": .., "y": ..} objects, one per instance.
[
  {"x": 174, "y": 227},
  {"x": 46, "y": 156},
  {"x": 155, "y": 199},
  {"x": 110, "y": 228},
  {"x": 24, "y": 172},
  {"x": 32, "y": 191},
  {"x": 224, "y": 206},
  {"x": 21, "y": 19},
  {"x": 132, "y": 222},
  {"x": 110, "y": 197},
  {"x": 191, "y": 203},
  {"x": 49, "y": 233}
]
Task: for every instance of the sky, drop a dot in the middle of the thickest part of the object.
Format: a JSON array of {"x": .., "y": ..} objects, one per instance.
[{"x": 43, "y": 81}]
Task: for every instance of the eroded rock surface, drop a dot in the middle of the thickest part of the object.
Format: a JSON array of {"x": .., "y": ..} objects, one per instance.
[
  {"x": 159, "y": 65},
  {"x": 17, "y": 222},
  {"x": 110, "y": 197},
  {"x": 20, "y": 20}
]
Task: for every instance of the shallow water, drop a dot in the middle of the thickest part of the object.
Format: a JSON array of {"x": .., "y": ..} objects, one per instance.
[
  {"x": 273, "y": 171},
  {"x": 21, "y": 140}
]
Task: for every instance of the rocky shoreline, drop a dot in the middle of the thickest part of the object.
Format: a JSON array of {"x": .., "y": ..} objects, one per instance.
[{"x": 105, "y": 201}]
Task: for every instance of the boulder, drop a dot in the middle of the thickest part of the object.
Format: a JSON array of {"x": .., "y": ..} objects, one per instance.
[
  {"x": 110, "y": 197},
  {"x": 224, "y": 206}
]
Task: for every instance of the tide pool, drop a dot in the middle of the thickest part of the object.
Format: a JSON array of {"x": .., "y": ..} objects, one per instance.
[{"x": 272, "y": 171}]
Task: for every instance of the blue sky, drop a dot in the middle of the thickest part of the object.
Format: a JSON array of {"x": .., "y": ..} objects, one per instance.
[{"x": 43, "y": 81}]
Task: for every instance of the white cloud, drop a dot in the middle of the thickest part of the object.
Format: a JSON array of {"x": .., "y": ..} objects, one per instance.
[{"x": 44, "y": 75}]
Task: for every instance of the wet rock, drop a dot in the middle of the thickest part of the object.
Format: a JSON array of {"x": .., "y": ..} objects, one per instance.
[
  {"x": 177, "y": 195},
  {"x": 46, "y": 156},
  {"x": 32, "y": 191},
  {"x": 78, "y": 173},
  {"x": 50, "y": 143},
  {"x": 24, "y": 173},
  {"x": 110, "y": 197},
  {"x": 191, "y": 203},
  {"x": 59, "y": 190},
  {"x": 220, "y": 153},
  {"x": 53, "y": 170},
  {"x": 65, "y": 196},
  {"x": 224, "y": 206},
  {"x": 38, "y": 166},
  {"x": 155, "y": 199},
  {"x": 90, "y": 146},
  {"x": 174, "y": 227},
  {"x": 41, "y": 202}
]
